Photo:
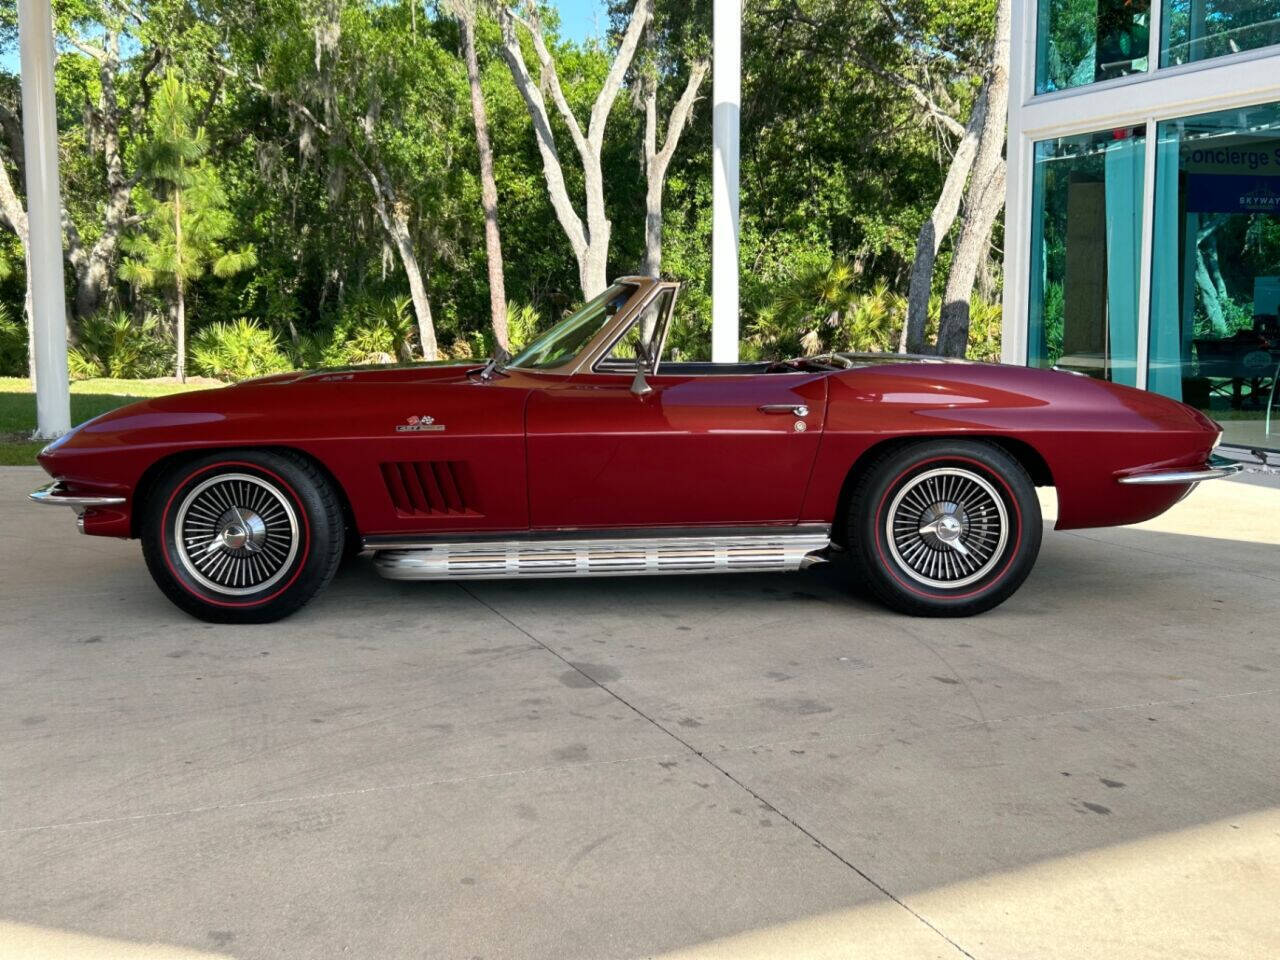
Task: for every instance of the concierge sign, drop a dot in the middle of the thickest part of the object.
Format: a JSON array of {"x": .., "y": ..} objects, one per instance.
[{"x": 1232, "y": 176}]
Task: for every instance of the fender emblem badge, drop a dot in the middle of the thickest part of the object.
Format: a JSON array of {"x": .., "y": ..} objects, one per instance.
[{"x": 419, "y": 425}]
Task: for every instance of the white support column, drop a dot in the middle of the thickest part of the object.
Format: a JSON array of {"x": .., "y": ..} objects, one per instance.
[
  {"x": 1155, "y": 32},
  {"x": 44, "y": 217},
  {"x": 1021, "y": 170},
  {"x": 726, "y": 96},
  {"x": 1148, "y": 247}
]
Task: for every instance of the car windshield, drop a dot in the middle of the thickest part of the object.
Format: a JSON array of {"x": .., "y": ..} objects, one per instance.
[{"x": 566, "y": 339}]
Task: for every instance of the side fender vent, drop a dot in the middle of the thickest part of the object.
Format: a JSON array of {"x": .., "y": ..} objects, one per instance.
[{"x": 430, "y": 488}]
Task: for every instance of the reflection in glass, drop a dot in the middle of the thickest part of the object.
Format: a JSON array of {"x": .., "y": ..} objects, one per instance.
[
  {"x": 1086, "y": 238},
  {"x": 1215, "y": 290},
  {"x": 566, "y": 339},
  {"x": 1200, "y": 29},
  {"x": 1083, "y": 41}
]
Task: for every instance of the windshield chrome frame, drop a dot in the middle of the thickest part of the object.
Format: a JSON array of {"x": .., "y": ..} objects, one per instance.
[{"x": 657, "y": 289}]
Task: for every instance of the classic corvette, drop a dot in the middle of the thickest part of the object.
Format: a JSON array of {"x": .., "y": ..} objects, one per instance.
[{"x": 588, "y": 454}]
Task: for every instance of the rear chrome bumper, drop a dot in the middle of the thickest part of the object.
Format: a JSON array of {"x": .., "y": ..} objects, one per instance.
[
  {"x": 57, "y": 495},
  {"x": 1215, "y": 467}
]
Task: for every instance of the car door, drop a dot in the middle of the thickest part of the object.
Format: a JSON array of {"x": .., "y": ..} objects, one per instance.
[{"x": 696, "y": 450}]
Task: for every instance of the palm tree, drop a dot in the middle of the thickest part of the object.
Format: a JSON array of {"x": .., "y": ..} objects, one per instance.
[{"x": 184, "y": 210}]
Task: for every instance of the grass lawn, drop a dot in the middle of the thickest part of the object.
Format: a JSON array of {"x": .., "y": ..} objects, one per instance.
[{"x": 88, "y": 399}]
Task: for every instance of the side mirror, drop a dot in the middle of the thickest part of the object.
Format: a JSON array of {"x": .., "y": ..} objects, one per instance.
[{"x": 639, "y": 385}]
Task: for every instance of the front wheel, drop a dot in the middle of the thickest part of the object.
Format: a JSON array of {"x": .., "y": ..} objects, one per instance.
[
  {"x": 242, "y": 537},
  {"x": 945, "y": 528}
]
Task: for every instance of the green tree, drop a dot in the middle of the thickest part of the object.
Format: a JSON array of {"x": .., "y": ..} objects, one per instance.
[
  {"x": 185, "y": 220},
  {"x": 344, "y": 138}
]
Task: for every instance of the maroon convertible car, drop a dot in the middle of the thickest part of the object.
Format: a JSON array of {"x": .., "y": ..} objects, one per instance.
[{"x": 588, "y": 454}]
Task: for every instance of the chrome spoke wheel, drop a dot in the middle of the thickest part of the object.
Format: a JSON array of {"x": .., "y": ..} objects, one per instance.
[
  {"x": 236, "y": 533},
  {"x": 947, "y": 527}
]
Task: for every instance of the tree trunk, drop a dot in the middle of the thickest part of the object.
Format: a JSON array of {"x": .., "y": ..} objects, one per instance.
[
  {"x": 935, "y": 229},
  {"x": 395, "y": 221},
  {"x": 657, "y": 161},
  {"x": 985, "y": 196},
  {"x": 1207, "y": 241},
  {"x": 488, "y": 187},
  {"x": 594, "y": 274},
  {"x": 1209, "y": 296},
  {"x": 95, "y": 270},
  {"x": 28, "y": 307},
  {"x": 15, "y": 215},
  {"x": 1215, "y": 269},
  {"x": 417, "y": 290},
  {"x": 595, "y": 265},
  {"x": 180, "y": 317},
  {"x": 652, "y": 264},
  {"x": 654, "y": 182},
  {"x": 590, "y": 241},
  {"x": 971, "y": 250},
  {"x": 94, "y": 282},
  {"x": 180, "y": 331}
]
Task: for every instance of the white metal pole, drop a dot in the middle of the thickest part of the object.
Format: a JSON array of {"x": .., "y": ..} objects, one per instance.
[
  {"x": 1148, "y": 250},
  {"x": 44, "y": 219},
  {"x": 726, "y": 96},
  {"x": 1015, "y": 314}
]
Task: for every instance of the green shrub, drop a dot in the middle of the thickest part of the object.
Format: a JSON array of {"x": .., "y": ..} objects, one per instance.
[
  {"x": 690, "y": 334},
  {"x": 524, "y": 323},
  {"x": 984, "y": 330},
  {"x": 13, "y": 344},
  {"x": 383, "y": 330},
  {"x": 83, "y": 366},
  {"x": 820, "y": 310},
  {"x": 114, "y": 345},
  {"x": 236, "y": 351},
  {"x": 464, "y": 348},
  {"x": 368, "y": 330},
  {"x": 871, "y": 322}
]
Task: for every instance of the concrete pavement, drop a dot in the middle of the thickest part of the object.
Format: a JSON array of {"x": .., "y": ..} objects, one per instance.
[{"x": 752, "y": 766}]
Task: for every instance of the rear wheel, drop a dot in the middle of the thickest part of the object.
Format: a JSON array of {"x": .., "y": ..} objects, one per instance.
[
  {"x": 945, "y": 528},
  {"x": 243, "y": 537}
]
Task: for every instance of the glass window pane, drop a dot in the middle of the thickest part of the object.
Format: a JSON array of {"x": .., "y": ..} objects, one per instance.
[
  {"x": 1086, "y": 253},
  {"x": 1084, "y": 41},
  {"x": 566, "y": 339},
  {"x": 1215, "y": 272},
  {"x": 1200, "y": 29},
  {"x": 643, "y": 338}
]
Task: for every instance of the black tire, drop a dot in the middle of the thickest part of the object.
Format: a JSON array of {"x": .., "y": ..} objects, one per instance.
[
  {"x": 261, "y": 533},
  {"x": 944, "y": 528}
]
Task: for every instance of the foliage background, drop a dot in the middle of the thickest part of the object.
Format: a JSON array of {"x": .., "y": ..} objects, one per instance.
[{"x": 839, "y": 168}]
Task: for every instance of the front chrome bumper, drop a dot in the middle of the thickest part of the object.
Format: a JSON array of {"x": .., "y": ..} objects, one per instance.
[
  {"x": 57, "y": 495},
  {"x": 1215, "y": 467}
]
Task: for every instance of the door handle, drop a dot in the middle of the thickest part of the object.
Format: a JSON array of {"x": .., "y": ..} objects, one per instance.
[{"x": 799, "y": 409}]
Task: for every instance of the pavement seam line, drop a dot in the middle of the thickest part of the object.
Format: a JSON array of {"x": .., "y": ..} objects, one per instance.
[{"x": 719, "y": 769}]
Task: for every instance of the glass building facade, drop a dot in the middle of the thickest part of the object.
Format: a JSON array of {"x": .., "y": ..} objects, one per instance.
[
  {"x": 1085, "y": 265},
  {"x": 1144, "y": 217}
]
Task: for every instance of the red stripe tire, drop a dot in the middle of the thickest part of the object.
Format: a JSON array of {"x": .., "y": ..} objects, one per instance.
[
  {"x": 944, "y": 528},
  {"x": 245, "y": 536}
]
